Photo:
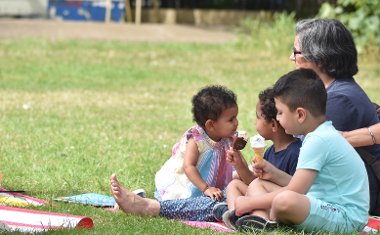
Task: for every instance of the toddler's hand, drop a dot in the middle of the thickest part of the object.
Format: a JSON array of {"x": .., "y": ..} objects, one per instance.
[
  {"x": 234, "y": 157},
  {"x": 214, "y": 193}
]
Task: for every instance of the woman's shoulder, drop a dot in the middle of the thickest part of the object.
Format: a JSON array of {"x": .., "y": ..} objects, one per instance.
[
  {"x": 347, "y": 93},
  {"x": 345, "y": 87}
]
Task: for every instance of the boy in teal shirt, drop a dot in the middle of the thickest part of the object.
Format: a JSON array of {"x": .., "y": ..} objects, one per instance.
[{"x": 329, "y": 190}]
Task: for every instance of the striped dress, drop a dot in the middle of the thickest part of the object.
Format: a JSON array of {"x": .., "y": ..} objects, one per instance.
[{"x": 171, "y": 180}]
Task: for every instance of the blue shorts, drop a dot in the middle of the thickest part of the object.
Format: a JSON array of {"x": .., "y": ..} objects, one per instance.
[{"x": 328, "y": 217}]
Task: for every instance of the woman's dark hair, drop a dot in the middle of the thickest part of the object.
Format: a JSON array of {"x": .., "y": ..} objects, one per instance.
[
  {"x": 210, "y": 102},
  {"x": 328, "y": 43}
]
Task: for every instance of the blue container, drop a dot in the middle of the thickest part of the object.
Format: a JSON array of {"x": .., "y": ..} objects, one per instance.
[{"x": 94, "y": 10}]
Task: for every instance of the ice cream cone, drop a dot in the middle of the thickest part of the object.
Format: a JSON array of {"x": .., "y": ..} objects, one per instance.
[
  {"x": 258, "y": 145},
  {"x": 259, "y": 154}
]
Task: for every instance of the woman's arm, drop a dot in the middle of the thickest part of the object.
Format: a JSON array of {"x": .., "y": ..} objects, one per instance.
[{"x": 363, "y": 136}]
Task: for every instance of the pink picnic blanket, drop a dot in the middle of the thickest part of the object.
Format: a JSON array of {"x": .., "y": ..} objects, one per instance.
[
  {"x": 216, "y": 226},
  {"x": 372, "y": 226}
]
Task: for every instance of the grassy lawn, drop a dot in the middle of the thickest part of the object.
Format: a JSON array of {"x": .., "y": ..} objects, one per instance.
[{"x": 74, "y": 112}]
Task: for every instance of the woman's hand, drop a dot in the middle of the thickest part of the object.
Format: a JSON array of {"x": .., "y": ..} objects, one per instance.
[{"x": 214, "y": 193}]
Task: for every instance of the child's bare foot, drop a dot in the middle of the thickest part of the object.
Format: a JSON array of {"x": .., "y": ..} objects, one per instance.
[{"x": 130, "y": 203}]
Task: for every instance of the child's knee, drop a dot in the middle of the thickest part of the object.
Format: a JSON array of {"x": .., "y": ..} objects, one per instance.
[
  {"x": 256, "y": 183},
  {"x": 283, "y": 202},
  {"x": 234, "y": 184}
]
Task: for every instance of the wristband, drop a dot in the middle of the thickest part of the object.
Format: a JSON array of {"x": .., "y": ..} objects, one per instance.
[
  {"x": 205, "y": 188},
  {"x": 372, "y": 135}
]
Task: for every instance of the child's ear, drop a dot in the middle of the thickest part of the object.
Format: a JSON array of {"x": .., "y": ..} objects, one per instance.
[
  {"x": 209, "y": 125},
  {"x": 274, "y": 125},
  {"x": 301, "y": 115}
]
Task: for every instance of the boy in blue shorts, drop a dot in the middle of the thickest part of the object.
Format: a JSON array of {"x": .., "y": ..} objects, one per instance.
[{"x": 329, "y": 191}]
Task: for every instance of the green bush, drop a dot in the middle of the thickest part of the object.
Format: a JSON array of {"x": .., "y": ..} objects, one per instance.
[{"x": 361, "y": 17}]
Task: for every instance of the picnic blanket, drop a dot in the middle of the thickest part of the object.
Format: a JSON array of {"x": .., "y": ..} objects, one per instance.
[
  {"x": 373, "y": 225},
  {"x": 24, "y": 220},
  {"x": 216, "y": 226},
  {"x": 95, "y": 199},
  {"x": 18, "y": 199}
]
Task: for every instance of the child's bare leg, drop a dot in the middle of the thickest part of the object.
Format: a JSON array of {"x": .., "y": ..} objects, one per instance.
[
  {"x": 235, "y": 189},
  {"x": 290, "y": 207},
  {"x": 259, "y": 187},
  {"x": 130, "y": 203}
]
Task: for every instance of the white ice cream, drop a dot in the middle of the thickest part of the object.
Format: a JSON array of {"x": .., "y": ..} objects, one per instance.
[
  {"x": 243, "y": 134},
  {"x": 257, "y": 141}
]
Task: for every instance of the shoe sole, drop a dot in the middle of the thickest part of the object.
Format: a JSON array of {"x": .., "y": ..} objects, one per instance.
[
  {"x": 255, "y": 223},
  {"x": 216, "y": 207},
  {"x": 229, "y": 219}
]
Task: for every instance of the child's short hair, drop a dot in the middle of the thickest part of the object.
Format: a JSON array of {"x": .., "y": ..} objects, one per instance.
[
  {"x": 302, "y": 88},
  {"x": 210, "y": 102},
  {"x": 267, "y": 104}
]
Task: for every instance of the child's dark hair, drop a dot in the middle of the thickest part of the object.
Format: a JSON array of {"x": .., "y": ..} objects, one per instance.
[
  {"x": 267, "y": 104},
  {"x": 210, "y": 102},
  {"x": 302, "y": 88}
]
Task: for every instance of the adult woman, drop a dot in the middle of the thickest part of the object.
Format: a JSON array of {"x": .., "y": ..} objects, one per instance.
[{"x": 327, "y": 47}]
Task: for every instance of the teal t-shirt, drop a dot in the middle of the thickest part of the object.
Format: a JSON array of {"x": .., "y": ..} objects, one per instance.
[{"x": 342, "y": 179}]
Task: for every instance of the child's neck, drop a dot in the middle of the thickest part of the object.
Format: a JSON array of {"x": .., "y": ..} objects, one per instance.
[
  {"x": 313, "y": 123},
  {"x": 213, "y": 137},
  {"x": 282, "y": 141}
]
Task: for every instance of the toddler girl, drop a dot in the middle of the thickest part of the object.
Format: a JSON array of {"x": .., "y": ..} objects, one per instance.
[{"x": 198, "y": 163}]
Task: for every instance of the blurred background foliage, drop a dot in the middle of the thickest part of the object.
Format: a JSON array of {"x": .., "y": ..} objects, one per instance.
[{"x": 361, "y": 17}]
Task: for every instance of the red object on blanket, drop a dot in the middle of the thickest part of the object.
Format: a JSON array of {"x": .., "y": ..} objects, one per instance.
[
  {"x": 374, "y": 223},
  {"x": 25, "y": 220}
]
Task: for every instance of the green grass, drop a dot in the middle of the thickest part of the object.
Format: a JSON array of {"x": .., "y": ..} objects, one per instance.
[{"x": 73, "y": 112}]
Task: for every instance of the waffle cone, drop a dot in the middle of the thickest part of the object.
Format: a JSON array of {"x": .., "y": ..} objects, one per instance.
[{"x": 259, "y": 154}]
